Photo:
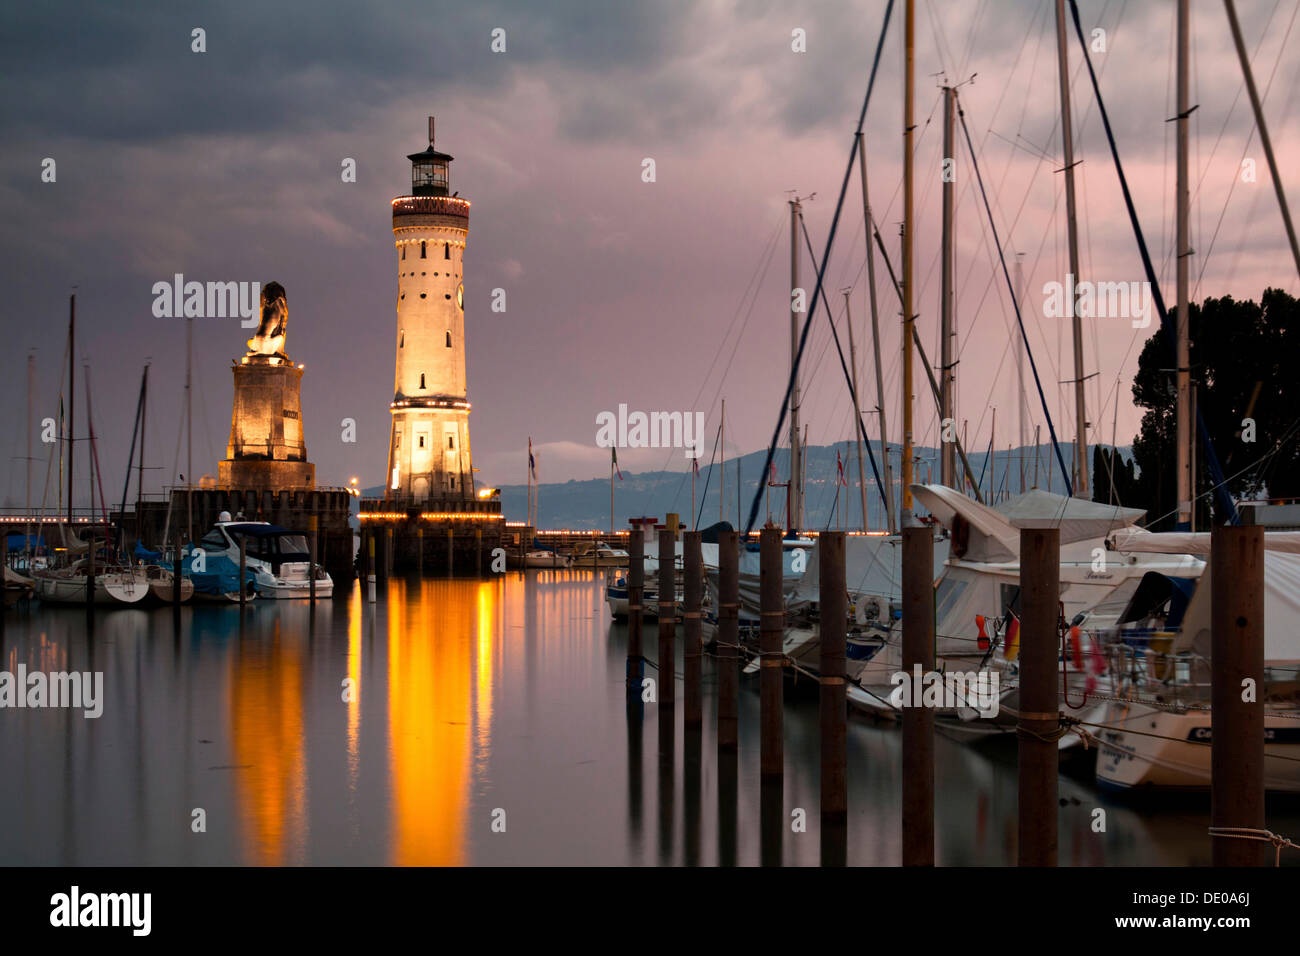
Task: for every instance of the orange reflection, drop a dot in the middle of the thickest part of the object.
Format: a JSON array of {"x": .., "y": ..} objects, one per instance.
[
  {"x": 267, "y": 745},
  {"x": 432, "y": 628}
]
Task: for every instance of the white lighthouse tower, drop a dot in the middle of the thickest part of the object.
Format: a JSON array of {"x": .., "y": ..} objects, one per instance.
[{"x": 428, "y": 450}]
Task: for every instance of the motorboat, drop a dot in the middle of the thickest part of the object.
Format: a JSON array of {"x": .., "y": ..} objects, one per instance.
[
  {"x": 600, "y": 555},
  {"x": 546, "y": 558},
  {"x": 278, "y": 559}
]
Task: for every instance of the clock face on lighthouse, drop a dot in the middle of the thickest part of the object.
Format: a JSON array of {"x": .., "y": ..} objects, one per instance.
[{"x": 460, "y": 296}]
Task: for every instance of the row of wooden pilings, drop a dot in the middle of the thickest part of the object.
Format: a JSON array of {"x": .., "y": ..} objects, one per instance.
[{"x": 1237, "y": 660}]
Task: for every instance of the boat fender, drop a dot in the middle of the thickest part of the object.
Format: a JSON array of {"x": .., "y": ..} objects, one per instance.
[{"x": 982, "y": 638}]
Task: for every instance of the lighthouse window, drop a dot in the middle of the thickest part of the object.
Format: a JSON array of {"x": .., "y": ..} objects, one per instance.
[
  {"x": 403, "y": 252},
  {"x": 423, "y": 295},
  {"x": 446, "y": 250},
  {"x": 447, "y": 296},
  {"x": 421, "y": 380},
  {"x": 448, "y": 340},
  {"x": 451, "y": 441},
  {"x": 401, "y": 339},
  {"x": 421, "y": 439},
  {"x": 422, "y": 250}
]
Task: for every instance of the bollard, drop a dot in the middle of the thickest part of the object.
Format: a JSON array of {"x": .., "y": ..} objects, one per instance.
[
  {"x": 451, "y": 559},
  {"x": 771, "y": 630},
  {"x": 419, "y": 551},
  {"x": 1236, "y": 725},
  {"x": 667, "y": 619},
  {"x": 693, "y": 595},
  {"x": 918, "y": 720},
  {"x": 833, "y": 612},
  {"x": 635, "y": 592},
  {"x": 370, "y": 566},
  {"x": 728, "y": 639},
  {"x": 90, "y": 580},
  {"x": 176, "y": 576},
  {"x": 1038, "y": 723},
  {"x": 243, "y": 567},
  {"x": 311, "y": 528}
]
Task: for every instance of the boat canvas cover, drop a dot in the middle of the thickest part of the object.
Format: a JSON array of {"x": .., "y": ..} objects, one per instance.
[
  {"x": 1191, "y": 542},
  {"x": 993, "y": 534},
  {"x": 220, "y": 575},
  {"x": 1281, "y": 611},
  {"x": 873, "y": 565}
]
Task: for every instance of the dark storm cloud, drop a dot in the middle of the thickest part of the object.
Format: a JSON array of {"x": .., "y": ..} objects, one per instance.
[{"x": 123, "y": 74}]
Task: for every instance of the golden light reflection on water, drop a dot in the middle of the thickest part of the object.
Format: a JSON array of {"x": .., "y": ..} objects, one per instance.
[
  {"x": 267, "y": 746},
  {"x": 354, "y": 675},
  {"x": 438, "y": 631}
]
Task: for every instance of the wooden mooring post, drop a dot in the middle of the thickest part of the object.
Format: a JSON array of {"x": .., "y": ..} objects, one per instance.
[
  {"x": 370, "y": 566},
  {"x": 311, "y": 528},
  {"x": 833, "y": 614},
  {"x": 1237, "y": 692},
  {"x": 1039, "y": 717},
  {"x": 772, "y": 656},
  {"x": 451, "y": 552},
  {"x": 419, "y": 551},
  {"x": 728, "y": 639},
  {"x": 693, "y": 655},
  {"x": 667, "y": 619},
  {"x": 635, "y": 592},
  {"x": 918, "y": 720}
]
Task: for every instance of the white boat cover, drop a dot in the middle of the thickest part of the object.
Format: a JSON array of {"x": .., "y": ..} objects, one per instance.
[
  {"x": 1281, "y": 611},
  {"x": 1192, "y": 542},
  {"x": 873, "y": 564}
]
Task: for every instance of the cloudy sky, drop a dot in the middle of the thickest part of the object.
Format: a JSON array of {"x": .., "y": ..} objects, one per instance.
[{"x": 225, "y": 166}]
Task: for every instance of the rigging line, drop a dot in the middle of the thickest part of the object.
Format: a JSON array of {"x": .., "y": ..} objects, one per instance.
[
  {"x": 929, "y": 370},
  {"x": 1226, "y": 504},
  {"x": 830, "y": 240},
  {"x": 1029, "y": 352},
  {"x": 716, "y": 437},
  {"x": 1205, "y": 260},
  {"x": 752, "y": 289},
  {"x": 857, "y": 414},
  {"x": 1261, "y": 124}
]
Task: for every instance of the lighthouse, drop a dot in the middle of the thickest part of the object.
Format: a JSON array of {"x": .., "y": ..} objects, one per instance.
[{"x": 428, "y": 449}]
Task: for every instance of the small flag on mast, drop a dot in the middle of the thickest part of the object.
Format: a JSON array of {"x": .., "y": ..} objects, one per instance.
[
  {"x": 532, "y": 462},
  {"x": 613, "y": 460},
  {"x": 839, "y": 468}
]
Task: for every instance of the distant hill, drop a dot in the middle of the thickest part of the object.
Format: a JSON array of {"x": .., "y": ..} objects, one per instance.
[{"x": 585, "y": 504}]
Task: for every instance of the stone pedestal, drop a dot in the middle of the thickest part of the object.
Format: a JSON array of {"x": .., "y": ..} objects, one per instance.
[{"x": 266, "y": 448}]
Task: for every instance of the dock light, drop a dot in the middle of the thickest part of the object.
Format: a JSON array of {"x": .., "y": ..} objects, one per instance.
[{"x": 489, "y": 492}]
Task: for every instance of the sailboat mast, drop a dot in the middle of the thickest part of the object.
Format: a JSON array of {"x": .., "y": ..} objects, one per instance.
[
  {"x": 722, "y": 465},
  {"x": 1182, "y": 258},
  {"x": 72, "y": 394},
  {"x": 27, "y": 511},
  {"x": 1067, "y": 143},
  {"x": 189, "y": 428},
  {"x": 948, "y": 453},
  {"x": 796, "y": 484},
  {"x": 1020, "y": 372},
  {"x": 891, "y": 522},
  {"x": 857, "y": 412},
  {"x": 139, "y": 484},
  {"x": 909, "y": 41}
]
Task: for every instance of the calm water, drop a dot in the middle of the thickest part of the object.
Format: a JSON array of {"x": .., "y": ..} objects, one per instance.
[{"x": 474, "y": 701}]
